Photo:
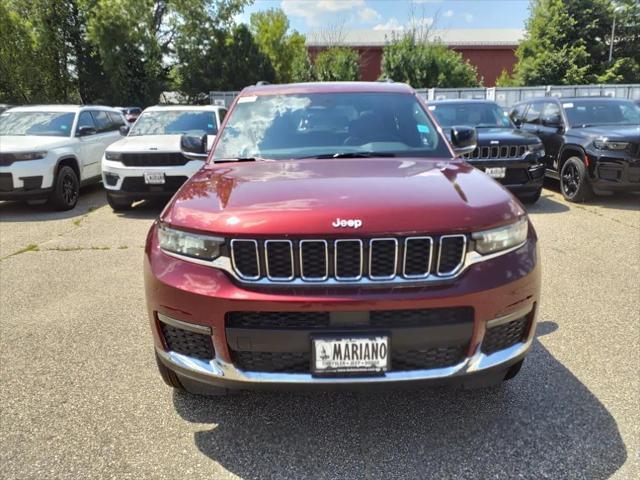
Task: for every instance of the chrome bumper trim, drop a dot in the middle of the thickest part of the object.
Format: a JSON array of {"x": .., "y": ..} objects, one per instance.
[{"x": 218, "y": 369}]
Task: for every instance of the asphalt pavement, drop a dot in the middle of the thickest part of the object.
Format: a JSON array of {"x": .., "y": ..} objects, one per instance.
[{"x": 80, "y": 396}]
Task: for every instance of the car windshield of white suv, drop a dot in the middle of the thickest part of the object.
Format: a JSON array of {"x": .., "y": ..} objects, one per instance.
[
  {"x": 329, "y": 125},
  {"x": 479, "y": 115},
  {"x": 588, "y": 113},
  {"x": 175, "y": 122},
  {"x": 44, "y": 124}
]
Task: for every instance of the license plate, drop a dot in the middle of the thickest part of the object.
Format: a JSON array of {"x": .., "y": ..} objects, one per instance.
[
  {"x": 498, "y": 172},
  {"x": 352, "y": 354},
  {"x": 154, "y": 178}
]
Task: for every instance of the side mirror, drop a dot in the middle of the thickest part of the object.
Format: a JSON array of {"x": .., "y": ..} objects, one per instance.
[
  {"x": 124, "y": 130},
  {"x": 554, "y": 121},
  {"x": 85, "y": 130},
  {"x": 464, "y": 140},
  {"x": 194, "y": 147},
  {"x": 517, "y": 122}
]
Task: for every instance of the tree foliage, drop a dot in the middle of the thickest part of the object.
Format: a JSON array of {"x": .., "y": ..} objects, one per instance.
[
  {"x": 423, "y": 63},
  {"x": 286, "y": 50},
  {"x": 567, "y": 42},
  {"x": 336, "y": 64}
]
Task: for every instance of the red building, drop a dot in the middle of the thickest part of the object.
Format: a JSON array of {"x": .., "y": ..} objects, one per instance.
[{"x": 491, "y": 51}]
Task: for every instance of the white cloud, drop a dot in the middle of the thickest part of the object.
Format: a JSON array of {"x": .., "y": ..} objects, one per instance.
[
  {"x": 391, "y": 24},
  {"x": 368, "y": 14},
  {"x": 468, "y": 18},
  {"x": 448, "y": 13}
]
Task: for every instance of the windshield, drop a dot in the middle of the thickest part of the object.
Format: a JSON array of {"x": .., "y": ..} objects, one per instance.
[
  {"x": 601, "y": 112},
  {"x": 175, "y": 122},
  {"x": 477, "y": 115},
  {"x": 44, "y": 124},
  {"x": 327, "y": 124}
]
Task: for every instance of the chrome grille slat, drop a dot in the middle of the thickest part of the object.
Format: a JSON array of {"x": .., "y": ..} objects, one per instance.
[
  {"x": 497, "y": 152},
  {"x": 270, "y": 247},
  {"x": 339, "y": 251},
  {"x": 342, "y": 261}
]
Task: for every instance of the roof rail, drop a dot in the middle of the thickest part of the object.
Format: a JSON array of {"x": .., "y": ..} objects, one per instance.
[
  {"x": 386, "y": 80},
  {"x": 262, "y": 82}
]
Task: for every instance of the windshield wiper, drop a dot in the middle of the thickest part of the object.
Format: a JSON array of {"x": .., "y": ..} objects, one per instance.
[
  {"x": 237, "y": 159},
  {"x": 366, "y": 154}
]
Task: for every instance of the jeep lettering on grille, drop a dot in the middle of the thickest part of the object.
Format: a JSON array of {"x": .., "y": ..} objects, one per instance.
[{"x": 350, "y": 223}]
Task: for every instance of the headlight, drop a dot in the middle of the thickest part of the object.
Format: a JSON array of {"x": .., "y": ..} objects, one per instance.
[
  {"x": 189, "y": 244},
  {"x": 501, "y": 238},
  {"x": 537, "y": 148},
  {"x": 606, "y": 145},
  {"x": 113, "y": 156},
  {"x": 29, "y": 156}
]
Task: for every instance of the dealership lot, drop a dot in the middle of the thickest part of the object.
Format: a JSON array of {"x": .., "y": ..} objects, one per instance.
[{"x": 81, "y": 397}]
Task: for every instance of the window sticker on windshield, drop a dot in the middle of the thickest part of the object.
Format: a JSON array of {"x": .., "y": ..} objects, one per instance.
[
  {"x": 567, "y": 105},
  {"x": 422, "y": 128},
  {"x": 64, "y": 127},
  {"x": 432, "y": 107},
  {"x": 209, "y": 125},
  {"x": 247, "y": 99}
]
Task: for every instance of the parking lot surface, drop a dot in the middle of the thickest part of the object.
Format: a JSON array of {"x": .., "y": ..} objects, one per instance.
[{"x": 81, "y": 397}]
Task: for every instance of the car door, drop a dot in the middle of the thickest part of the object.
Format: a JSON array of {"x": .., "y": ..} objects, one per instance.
[
  {"x": 90, "y": 146},
  {"x": 108, "y": 133},
  {"x": 550, "y": 130},
  {"x": 531, "y": 119}
]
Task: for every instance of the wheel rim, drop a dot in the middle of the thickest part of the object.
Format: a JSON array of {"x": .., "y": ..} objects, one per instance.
[
  {"x": 570, "y": 180},
  {"x": 69, "y": 190}
]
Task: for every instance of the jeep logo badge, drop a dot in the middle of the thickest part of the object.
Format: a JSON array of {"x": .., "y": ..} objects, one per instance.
[{"x": 350, "y": 223}]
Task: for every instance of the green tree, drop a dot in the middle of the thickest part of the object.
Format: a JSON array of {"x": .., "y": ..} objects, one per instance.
[
  {"x": 336, "y": 64},
  {"x": 567, "y": 42},
  {"x": 285, "y": 49},
  {"x": 426, "y": 64}
]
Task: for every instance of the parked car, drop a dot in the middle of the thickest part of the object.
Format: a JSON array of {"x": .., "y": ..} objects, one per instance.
[
  {"x": 358, "y": 250},
  {"x": 131, "y": 114},
  {"x": 511, "y": 156},
  {"x": 148, "y": 162},
  {"x": 591, "y": 144},
  {"x": 47, "y": 152}
]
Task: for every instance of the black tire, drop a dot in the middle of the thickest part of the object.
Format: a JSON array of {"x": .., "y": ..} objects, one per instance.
[
  {"x": 513, "y": 370},
  {"x": 118, "y": 204},
  {"x": 66, "y": 189},
  {"x": 169, "y": 376},
  {"x": 531, "y": 198},
  {"x": 574, "y": 181}
]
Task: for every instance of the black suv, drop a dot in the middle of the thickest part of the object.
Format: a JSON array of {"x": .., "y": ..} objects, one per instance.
[
  {"x": 511, "y": 156},
  {"x": 592, "y": 144}
]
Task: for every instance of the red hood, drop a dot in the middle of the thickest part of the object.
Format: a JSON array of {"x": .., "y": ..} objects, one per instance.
[{"x": 304, "y": 197}]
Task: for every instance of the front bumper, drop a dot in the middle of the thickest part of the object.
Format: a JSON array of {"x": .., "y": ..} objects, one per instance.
[
  {"x": 497, "y": 290},
  {"x": 123, "y": 181},
  {"x": 614, "y": 171},
  {"x": 30, "y": 179},
  {"x": 522, "y": 176}
]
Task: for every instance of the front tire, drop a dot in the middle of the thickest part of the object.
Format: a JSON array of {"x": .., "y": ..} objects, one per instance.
[
  {"x": 574, "y": 181},
  {"x": 531, "y": 198},
  {"x": 66, "y": 189},
  {"x": 118, "y": 204}
]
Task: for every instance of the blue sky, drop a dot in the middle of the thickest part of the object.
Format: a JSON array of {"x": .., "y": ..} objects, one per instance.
[{"x": 309, "y": 15}]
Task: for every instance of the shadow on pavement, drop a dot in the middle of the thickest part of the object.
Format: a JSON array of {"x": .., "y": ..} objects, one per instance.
[
  {"x": 618, "y": 200},
  {"x": 91, "y": 198},
  {"x": 543, "y": 424},
  {"x": 547, "y": 204}
]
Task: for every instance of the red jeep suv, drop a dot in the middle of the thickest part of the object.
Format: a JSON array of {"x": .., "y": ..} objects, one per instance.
[{"x": 334, "y": 238}]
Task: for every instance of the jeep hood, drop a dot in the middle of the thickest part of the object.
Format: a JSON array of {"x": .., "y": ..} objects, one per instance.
[
  {"x": 623, "y": 133},
  {"x": 146, "y": 143},
  {"x": 31, "y": 143},
  {"x": 304, "y": 197}
]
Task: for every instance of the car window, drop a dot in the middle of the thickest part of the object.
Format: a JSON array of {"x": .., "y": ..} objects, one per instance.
[
  {"x": 175, "y": 122},
  {"x": 517, "y": 114},
  {"x": 103, "y": 122},
  {"x": 533, "y": 114},
  {"x": 311, "y": 124},
  {"x": 116, "y": 120},
  {"x": 588, "y": 112},
  {"x": 85, "y": 120},
  {"x": 550, "y": 112},
  {"x": 51, "y": 124},
  {"x": 475, "y": 114}
]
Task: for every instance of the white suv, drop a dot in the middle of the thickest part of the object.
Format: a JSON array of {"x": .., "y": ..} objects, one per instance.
[
  {"x": 149, "y": 162},
  {"x": 48, "y": 152}
]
